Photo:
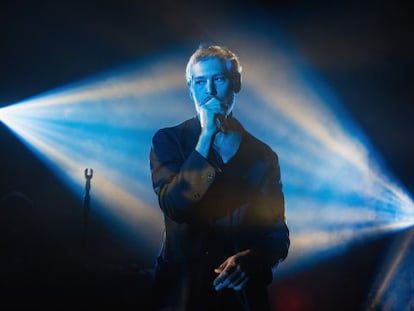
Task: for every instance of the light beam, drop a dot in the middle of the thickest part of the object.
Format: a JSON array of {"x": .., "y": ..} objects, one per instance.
[{"x": 337, "y": 190}]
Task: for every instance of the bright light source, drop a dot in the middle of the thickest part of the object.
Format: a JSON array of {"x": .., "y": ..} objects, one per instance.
[
  {"x": 107, "y": 125},
  {"x": 337, "y": 192}
]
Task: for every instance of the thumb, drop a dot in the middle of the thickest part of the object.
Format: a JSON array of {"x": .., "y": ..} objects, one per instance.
[{"x": 220, "y": 268}]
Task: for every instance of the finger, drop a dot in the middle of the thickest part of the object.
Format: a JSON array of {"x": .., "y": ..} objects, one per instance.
[
  {"x": 225, "y": 278},
  {"x": 220, "y": 268},
  {"x": 234, "y": 278},
  {"x": 237, "y": 279},
  {"x": 219, "y": 280},
  {"x": 214, "y": 105},
  {"x": 210, "y": 112},
  {"x": 235, "y": 275},
  {"x": 225, "y": 268},
  {"x": 211, "y": 100},
  {"x": 241, "y": 285}
]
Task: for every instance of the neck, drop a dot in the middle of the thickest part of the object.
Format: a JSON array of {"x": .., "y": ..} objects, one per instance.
[{"x": 227, "y": 144}]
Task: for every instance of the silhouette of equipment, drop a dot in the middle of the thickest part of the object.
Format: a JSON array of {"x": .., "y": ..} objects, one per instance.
[{"x": 86, "y": 201}]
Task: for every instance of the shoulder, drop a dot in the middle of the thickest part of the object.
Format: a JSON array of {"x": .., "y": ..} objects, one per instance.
[
  {"x": 261, "y": 149},
  {"x": 265, "y": 153},
  {"x": 173, "y": 132}
]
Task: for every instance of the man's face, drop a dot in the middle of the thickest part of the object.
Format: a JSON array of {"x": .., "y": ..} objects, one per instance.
[{"x": 211, "y": 78}]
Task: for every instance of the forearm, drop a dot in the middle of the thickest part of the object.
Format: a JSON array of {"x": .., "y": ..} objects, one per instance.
[
  {"x": 272, "y": 246},
  {"x": 204, "y": 143},
  {"x": 179, "y": 193}
]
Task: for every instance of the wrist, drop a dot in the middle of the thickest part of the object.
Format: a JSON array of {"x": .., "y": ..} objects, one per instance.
[{"x": 204, "y": 143}]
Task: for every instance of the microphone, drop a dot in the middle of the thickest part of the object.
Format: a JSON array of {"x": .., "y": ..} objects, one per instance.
[{"x": 221, "y": 123}]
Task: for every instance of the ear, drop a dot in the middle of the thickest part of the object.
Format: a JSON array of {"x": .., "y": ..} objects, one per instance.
[{"x": 236, "y": 80}]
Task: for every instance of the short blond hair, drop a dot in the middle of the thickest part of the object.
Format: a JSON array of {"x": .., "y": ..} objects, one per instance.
[{"x": 205, "y": 52}]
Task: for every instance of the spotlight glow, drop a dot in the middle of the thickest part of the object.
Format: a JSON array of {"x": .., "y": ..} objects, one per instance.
[
  {"x": 393, "y": 287},
  {"x": 337, "y": 192},
  {"x": 106, "y": 124}
]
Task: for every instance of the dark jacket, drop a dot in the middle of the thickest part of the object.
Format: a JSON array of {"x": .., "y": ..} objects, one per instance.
[{"x": 214, "y": 210}]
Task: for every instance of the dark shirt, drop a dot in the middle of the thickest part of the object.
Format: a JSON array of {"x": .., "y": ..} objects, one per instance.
[{"x": 213, "y": 210}]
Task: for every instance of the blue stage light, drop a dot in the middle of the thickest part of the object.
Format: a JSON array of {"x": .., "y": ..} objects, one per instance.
[
  {"x": 337, "y": 190},
  {"x": 393, "y": 287}
]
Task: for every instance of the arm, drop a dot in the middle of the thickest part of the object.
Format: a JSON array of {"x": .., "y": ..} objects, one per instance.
[
  {"x": 273, "y": 242},
  {"x": 266, "y": 244},
  {"x": 180, "y": 182}
]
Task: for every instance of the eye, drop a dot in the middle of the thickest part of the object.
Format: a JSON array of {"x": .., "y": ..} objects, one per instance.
[
  {"x": 200, "y": 82},
  {"x": 220, "y": 79}
]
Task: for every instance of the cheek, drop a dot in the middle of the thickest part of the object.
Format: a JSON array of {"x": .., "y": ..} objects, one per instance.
[
  {"x": 196, "y": 95},
  {"x": 226, "y": 90},
  {"x": 230, "y": 99}
]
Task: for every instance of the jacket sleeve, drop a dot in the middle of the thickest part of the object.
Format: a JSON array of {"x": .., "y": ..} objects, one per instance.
[
  {"x": 272, "y": 242},
  {"x": 179, "y": 181}
]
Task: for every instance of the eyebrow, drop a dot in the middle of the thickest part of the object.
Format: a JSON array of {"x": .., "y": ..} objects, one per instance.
[{"x": 213, "y": 76}]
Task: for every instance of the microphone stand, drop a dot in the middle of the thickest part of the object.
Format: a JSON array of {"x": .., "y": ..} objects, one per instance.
[{"x": 86, "y": 204}]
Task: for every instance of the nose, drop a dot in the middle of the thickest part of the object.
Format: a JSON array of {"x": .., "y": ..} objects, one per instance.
[{"x": 211, "y": 88}]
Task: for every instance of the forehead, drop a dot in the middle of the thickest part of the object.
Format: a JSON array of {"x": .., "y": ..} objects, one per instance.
[{"x": 209, "y": 67}]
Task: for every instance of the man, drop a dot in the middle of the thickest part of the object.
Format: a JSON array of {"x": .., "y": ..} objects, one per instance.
[{"x": 221, "y": 194}]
